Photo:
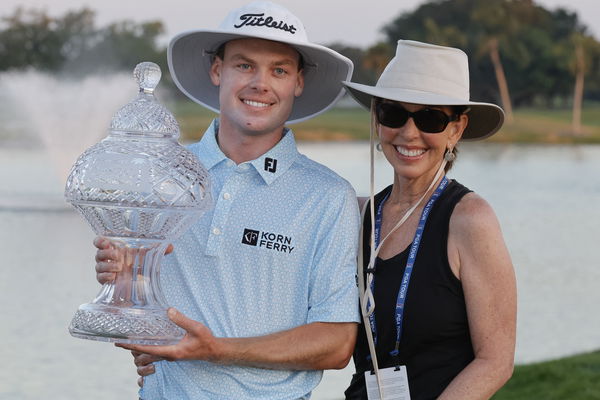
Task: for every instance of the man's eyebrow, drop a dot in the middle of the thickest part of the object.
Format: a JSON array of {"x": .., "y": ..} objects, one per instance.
[
  {"x": 241, "y": 57},
  {"x": 287, "y": 61},
  {"x": 284, "y": 61}
]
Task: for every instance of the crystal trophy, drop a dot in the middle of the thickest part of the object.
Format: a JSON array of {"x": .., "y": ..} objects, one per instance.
[{"x": 141, "y": 189}]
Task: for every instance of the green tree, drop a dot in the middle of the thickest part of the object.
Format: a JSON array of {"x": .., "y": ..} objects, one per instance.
[
  {"x": 356, "y": 55},
  {"x": 72, "y": 43},
  {"x": 377, "y": 57},
  {"x": 495, "y": 27},
  {"x": 444, "y": 35},
  {"x": 585, "y": 49},
  {"x": 514, "y": 44},
  {"x": 369, "y": 63},
  {"x": 32, "y": 38},
  {"x": 120, "y": 46}
]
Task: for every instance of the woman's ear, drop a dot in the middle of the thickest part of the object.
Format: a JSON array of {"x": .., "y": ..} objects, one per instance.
[{"x": 457, "y": 128}]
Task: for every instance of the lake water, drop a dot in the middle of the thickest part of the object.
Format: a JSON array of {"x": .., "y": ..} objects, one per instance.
[{"x": 546, "y": 198}]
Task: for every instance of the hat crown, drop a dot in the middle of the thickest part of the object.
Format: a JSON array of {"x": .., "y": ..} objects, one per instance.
[
  {"x": 264, "y": 18},
  {"x": 428, "y": 68}
]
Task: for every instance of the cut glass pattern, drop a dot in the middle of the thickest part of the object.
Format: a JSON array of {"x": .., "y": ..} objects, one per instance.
[{"x": 141, "y": 189}]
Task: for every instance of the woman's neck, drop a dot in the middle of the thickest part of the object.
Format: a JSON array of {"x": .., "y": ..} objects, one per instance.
[{"x": 407, "y": 191}]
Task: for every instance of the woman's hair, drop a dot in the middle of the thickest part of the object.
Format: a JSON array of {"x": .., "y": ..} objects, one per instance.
[{"x": 456, "y": 110}]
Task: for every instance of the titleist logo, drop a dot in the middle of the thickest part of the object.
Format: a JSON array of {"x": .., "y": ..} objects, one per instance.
[{"x": 269, "y": 22}]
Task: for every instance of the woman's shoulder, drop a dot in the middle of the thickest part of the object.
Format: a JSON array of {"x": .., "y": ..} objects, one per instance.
[
  {"x": 472, "y": 207},
  {"x": 473, "y": 217},
  {"x": 475, "y": 235}
]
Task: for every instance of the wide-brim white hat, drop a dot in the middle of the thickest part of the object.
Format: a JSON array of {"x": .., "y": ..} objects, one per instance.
[
  {"x": 189, "y": 57},
  {"x": 423, "y": 73}
]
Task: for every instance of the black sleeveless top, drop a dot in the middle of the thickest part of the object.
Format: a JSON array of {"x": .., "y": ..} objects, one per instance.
[{"x": 435, "y": 344}]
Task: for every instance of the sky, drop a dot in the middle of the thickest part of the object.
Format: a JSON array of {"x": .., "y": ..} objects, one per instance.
[{"x": 353, "y": 22}]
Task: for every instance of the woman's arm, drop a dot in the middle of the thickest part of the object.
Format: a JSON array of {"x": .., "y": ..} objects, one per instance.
[{"x": 479, "y": 257}]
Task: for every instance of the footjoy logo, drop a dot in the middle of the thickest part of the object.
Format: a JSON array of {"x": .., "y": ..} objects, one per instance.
[
  {"x": 268, "y": 240},
  {"x": 270, "y": 165}
]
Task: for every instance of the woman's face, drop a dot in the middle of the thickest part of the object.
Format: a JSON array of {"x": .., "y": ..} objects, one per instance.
[{"x": 414, "y": 153}]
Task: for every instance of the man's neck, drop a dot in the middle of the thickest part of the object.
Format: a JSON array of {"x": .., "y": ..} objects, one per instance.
[{"x": 240, "y": 147}]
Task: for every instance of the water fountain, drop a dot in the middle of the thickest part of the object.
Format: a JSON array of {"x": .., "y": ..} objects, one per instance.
[{"x": 67, "y": 115}]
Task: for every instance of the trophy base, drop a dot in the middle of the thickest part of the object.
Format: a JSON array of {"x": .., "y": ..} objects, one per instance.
[{"x": 124, "y": 325}]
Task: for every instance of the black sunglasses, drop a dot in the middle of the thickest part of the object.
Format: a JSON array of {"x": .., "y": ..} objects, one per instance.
[{"x": 427, "y": 120}]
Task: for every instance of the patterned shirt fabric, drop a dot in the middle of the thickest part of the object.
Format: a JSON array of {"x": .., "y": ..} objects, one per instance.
[{"x": 277, "y": 250}]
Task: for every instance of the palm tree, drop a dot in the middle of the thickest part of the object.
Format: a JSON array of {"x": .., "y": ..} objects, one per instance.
[
  {"x": 498, "y": 26},
  {"x": 585, "y": 47},
  {"x": 494, "y": 53}
]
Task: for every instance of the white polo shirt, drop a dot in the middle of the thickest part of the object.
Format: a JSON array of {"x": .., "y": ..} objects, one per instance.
[{"x": 277, "y": 250}]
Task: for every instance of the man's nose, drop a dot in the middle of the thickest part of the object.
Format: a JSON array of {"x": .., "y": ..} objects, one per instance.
[{"x": 260, "y": 80}]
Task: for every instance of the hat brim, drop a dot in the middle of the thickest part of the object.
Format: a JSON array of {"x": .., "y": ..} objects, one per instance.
[
  {"x": 485, "y": 119},
  {"x": 189, "y": 63}
]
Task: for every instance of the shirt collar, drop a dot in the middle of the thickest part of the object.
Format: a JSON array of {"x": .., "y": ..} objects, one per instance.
[
  {"x": 208, "y": 149},
  {"x": 269, "y": 166}
]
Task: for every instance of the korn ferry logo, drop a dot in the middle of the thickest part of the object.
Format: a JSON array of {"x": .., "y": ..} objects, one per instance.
[
  {"x": 268, "y": 240},
  {"x": 250, "y": 237}
]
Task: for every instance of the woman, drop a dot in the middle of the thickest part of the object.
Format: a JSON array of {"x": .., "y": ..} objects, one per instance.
[{"x": 438, "y": 293}]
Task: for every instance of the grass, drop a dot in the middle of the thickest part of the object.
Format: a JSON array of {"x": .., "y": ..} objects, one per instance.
[
  {"x": 529, "y": 126},
  {"x": 193, "y": 119},
  {"x": 574, "y": 378},
  {"x": 336, "y": 124},
  {"x": 550, "y": 126}
]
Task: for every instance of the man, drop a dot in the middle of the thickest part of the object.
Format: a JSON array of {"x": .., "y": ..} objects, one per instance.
[{"x": 264, "y": 283}]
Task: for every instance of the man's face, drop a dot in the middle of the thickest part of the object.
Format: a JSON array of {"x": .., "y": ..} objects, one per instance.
[{"x": 258, "y": 81}]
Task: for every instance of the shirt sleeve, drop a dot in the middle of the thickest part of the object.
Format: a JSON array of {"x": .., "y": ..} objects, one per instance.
[{"x": 333, "y": 290}]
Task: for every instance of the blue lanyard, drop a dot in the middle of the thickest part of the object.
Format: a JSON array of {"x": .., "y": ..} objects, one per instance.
[{"x": 412, "y": 255}]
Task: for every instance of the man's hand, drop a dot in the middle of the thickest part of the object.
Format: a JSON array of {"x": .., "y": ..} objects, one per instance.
[
  {"x": 144, "y": 364},
  {"x": 318, "y": 345},
  {"x": 197, "y": 344},
  {"x": 107, "y": 260},
  {"x": 112, "y": 258}
]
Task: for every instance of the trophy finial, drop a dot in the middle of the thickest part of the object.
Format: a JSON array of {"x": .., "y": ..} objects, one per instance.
[
  {"x": 147, "y": 74},
  {"x": 145, "y": 115}
]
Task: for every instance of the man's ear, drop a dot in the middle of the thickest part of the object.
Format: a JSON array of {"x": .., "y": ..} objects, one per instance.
[
  {"x": 299, "y": 84},
  {"x": 215, "y": 71}
]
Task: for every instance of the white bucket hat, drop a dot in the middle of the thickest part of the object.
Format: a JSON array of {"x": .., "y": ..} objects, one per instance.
[
  {"x": 189, "y": 57},
  {"x": 423, "y": 73}
]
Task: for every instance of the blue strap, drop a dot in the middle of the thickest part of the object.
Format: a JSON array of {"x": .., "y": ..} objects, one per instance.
[{"x": 401, "y": 299}]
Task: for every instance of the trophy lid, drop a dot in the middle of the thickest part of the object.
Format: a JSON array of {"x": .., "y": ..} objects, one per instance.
[{"x": 145, "y": 115}]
